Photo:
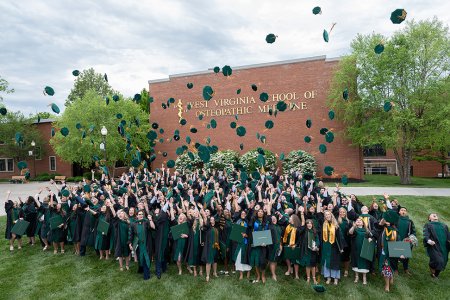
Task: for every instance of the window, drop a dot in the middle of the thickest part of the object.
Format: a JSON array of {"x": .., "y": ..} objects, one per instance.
[
  {"x": 375, "y": 150},
  {"x": 6, "y": 165},
  {"x": 52, "y": 163},
  {"x": 37, "y": 153}
]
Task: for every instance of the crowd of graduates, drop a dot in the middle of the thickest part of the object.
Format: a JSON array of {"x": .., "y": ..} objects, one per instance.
[{"x": 312, "y": 227}]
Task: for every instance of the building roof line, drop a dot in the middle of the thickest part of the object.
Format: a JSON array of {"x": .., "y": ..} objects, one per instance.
[{"x": 252, "y": 66}]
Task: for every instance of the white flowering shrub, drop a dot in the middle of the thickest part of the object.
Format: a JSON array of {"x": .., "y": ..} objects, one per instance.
[
  {"x": 299, "y": 160},
  {"x": 250, "y": 163},
  {"x": 223, "y": 160},
  {"x": 185, "y": 164}
]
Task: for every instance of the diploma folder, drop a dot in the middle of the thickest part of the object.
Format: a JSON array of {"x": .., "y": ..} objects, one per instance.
[
  {"x": 236, "y": 232},
  {"x": 56, "y": 221},
  {"x": 397, "y": 249},
  {"x": 291, "y": 253},
  {"x": 178, "y": 230},
  {"x": 20, "y": 227},
  {"x": 102, "y": 227},
  {"x": 367, "y": 250},
  {"x": 263, "y": 237}
]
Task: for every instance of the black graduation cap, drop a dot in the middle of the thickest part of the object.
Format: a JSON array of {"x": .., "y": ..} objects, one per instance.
[
  {"x": 264, "y": 97},
  {"x": 328, "y": 170},
  {"x": 379, "y": 48},
  {"x": 227, "y": 71},
  {"x": 190, "y": 85},
  {"x": 208, "y": 92},
  {"x": 241, "y": 131},
  {"x": 317, "y": 10},
  {"x": 75, "y": 73},
  {"x": 105, "y": 77},
  {"x": 254, "y": 87},
  {"x": 398, "y": 16},
  {"x": 270, "y": 38},
  {"x": 3, "y": 111}
]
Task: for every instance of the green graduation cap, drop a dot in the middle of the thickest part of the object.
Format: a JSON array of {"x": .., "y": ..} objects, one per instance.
[
  {"x": 282, "y": 156},
  {"x": 331, "y": 115},
  {"x": 119, "y": 116},
  {"x": 52, "y": 132},
  {"x": 319, "y": 288},
  {"x": 256, "y": 175},
  {"x": 49, "y": 91},
  {"x": 328, "y": 170},
  {"x": 254, "y": 87},
  {"x": 78, "y": 126},
  {"x": 325, "y": 35},
  {"x": 135, "y": 163},
  {"x": 329, "y": 137},
  {"x": 387, "y": 106},
  {"x": 188, "y": 140},
  {"x": 65, "y": 193},
  {"x": 379, "y": 48},
  {"x": 264, "y": 97},
  {"x": 345, "y": 94},
  {"x": 171, "y": 163},
  {"x": 398, "y": 16},
  {"x": 227, "y": 71},
  {"x": 152, "y": 135},
  {"x": 344, "y": 180},
  {"x": 193, "y": 130},
  {"x": 116, "y": 98},
  {"x": 3, "y": 111},
  {"x": 190, "y": 85},
  {"x": 55, "y": 108},
  {"x": 270, "y": 38},
  {"x": 179, "y": 151},
  {"x": 233, "y": 125},
  {"x": 323, "y": 131},
  {"x": 317, "y": 10},
  {"x": 308, "y": 123},
  {"x": 18, "y": 137},
  {"x": 216, "y": 69},
  {"x": 204, "y": 154},
  {"x": 241, "y": 131},
  {"x": 183, "y": 122},
  {"x": 155, "y": 125},
  {"x": 241, "y": 146},
  {"x": 281, "y": 106},
  {"x": 238, "y": 91},
  {"x": 22, "y": 165},
  {"x": 269, "y": 124},
  {"x": 75, "y": 73},
  {"x": 163, "y": 105},
  {"x": 105, "y": 77},
  {"x": 107, "y": 100},
  {"x": 87, "y": 188},
  {"x": 191, "y": 155},
  {"x": 261, "y": 160},
  {"x": 64, "y": 131},
  {"x": 208, "y": 92},
  {"x": 391, "y": 216},
  {"x": 171, "y": 100},
  {"x": 137, "y": 98},
  {"x": 322, "y": 148},
  {"x": 213, "y": 123}
]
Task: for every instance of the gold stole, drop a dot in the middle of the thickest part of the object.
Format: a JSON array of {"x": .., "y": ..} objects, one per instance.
[
  {"x": 329, "y": 233},
  {"x": 293, "y": 231}
]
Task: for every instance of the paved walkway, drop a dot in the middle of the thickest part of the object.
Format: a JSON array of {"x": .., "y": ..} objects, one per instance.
[{"x": 24, "y": 190}]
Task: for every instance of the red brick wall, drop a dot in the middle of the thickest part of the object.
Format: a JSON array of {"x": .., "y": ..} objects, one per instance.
[
  {"x": 304, "y": 78},
  {"x": 43, "y": 165}
]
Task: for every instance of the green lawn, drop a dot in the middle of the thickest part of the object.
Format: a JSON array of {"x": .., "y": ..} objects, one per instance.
[
  {"x": 33, "y": 274},
  {"x": 394, "y": 181}
]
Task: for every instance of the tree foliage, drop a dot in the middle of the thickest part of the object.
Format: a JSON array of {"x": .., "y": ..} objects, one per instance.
[
  {"x": 4, "y": 88},
  {"x": 89, "y": 80},
  {"x": 90, "y": 113},
  {"x": 16, "y": 123},
  {"x": 410, "y": 75}
]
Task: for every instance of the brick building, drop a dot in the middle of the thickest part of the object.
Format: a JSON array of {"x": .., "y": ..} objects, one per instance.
[
  {"x": 46, "y": 160},
  {"x": 302, "y": 83}
]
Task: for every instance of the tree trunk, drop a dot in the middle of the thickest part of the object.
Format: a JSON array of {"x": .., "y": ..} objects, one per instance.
[{"x": 404, "y": 161}]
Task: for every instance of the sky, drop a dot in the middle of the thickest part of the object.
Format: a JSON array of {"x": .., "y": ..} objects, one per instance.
[{"x": 43, "y": 41}]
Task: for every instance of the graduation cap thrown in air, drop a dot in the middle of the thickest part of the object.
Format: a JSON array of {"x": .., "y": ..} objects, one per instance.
[
  {"x": 398, "y": 16},
  {"x": 270, "y": 38}
]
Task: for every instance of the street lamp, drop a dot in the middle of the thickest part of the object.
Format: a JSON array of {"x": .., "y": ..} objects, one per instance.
[
  {"x": 104, "y": 132},
  {"x": 33, "y": 144}
]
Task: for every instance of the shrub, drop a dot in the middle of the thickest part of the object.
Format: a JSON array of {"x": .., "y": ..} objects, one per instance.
[
  {"x": 88, "y": 175},
  {"x": 250, "y": 163},
  {"x": 223, "y": 160},
  {"x": 299, "y": 160},
  {"x": 44, "y": 177},
  {"x": 74, "y": 179},
  {"x": 185, "y": 164}
]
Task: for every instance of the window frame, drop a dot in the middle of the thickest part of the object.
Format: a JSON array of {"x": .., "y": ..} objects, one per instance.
[{"x": 50, "y": 163}]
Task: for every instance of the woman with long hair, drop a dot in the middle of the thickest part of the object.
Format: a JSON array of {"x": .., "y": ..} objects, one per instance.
[
  {"x": 121, "y": 225},
  {"x": 102, "y": 239},
  {"x": 211, "y": 247},
  {"x": 344, "y": 226},
  {"x": 275, "y": 249},
  {"x": 193, "y": 254},
  {"x": 309, "y": 248},
  {"x": 358, "y": 232},
  {"x": 331, "y": 248},
  {"x": 180, "y": 245},
  {"x": 56, "y": 235},
  {"x": 13, "y": 214},
  {"x": 291, "y": 239},
  {"x": 241, "y": 253},
  {"x": 258, "y": 254}
]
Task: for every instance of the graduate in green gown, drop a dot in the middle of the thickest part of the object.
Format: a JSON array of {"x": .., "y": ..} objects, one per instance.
[
  {"x": 195, "y": 222},
  {"x": 436, "y": 239},
  {"x": 180, "y": 245},
  {"x": 407, "y": 232},
  {"x": 358, "y": 232},
  {"x": 258, "y": 254},
  {"x": 211, "y": 248},
  {"x": 309, "y": 248},
  {"x": 13, "y": 214},
  {"x": 240, "y": 255},
  {"x": 291, "y": 239},
  {"x": 56, "y": 235},
  {"x": 121, "y": 225},
  {"x": 274, "y": 249},
  {"x": 102, "y": 239}
]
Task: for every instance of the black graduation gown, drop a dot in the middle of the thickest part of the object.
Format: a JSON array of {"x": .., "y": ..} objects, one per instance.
[
  {"x": 30, "y": 215},
  {"x": 193, "y": 253},
  {"x": 9, "y": 209},
  {"x": 88, "y": 232},
  {"x": 147, "y": 240},
  {"x": 161, "y": 235},
  {"x": 209, "y": 254},
  {"x": 438, "y": 259}
]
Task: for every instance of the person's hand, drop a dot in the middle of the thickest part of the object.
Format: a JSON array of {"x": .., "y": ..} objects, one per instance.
[
  {"x": 342, "y": 251},
  {"x": 301, "y": 209},
  {"x": 8, "y": 192},
  {"x": 431, "y": 243},
  {"x": 263, "y": 245},
  {"x": 402, "y": 256},
  {"x": 130, "y": 246},
  {"x": 370, "y": 240},
  {"x": 61, "y": 226},
  {"x": 292, "y": 246},
  {"x": 183, "y": 236}
]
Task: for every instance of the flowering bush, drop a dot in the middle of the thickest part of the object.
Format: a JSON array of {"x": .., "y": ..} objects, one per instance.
[
  {"x": 299, "y": 160},
  {"x": 250, "y": 160},
  {"x": 223, "y": 160},
  {"x": 186, "y": 164}
]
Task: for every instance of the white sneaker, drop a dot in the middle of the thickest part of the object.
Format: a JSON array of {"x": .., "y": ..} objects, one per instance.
[{"x": 11, "y": 248}]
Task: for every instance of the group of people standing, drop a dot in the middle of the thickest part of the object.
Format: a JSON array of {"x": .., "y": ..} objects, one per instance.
[{"x": 133, "y": 219}]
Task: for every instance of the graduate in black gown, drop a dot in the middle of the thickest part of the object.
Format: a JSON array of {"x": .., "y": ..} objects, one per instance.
[
  {"x": 211, "y": 248},
  {"x": 140, "y": 233},
  {"x": 13, "y": 213},
  {"x": 436, "y": 239}
]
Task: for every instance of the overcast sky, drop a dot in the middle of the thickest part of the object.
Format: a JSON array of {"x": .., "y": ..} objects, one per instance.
[{"x": 42, "y": 41}]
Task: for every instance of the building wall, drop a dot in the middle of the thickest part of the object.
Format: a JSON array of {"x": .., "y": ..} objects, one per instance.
[
  {"x": 304, "y": 83},
  {"x": 43, "y": 165}
]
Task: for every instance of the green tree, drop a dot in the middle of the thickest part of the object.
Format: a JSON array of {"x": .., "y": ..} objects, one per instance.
[
  {"x": 145, "y": 101},
  {"x": 85, "y": 118},
  {"x": 4, "y": 88},
  {"x": 86, "y": 81},
  {"x": 15, "y": 123},
  {"x": 407, "y": 75}
]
